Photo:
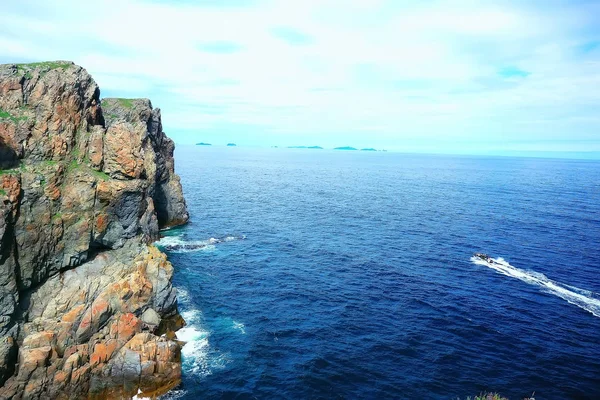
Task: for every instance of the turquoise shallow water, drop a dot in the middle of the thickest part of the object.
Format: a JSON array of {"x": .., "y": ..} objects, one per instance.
[{"x": 349, "y": 275}]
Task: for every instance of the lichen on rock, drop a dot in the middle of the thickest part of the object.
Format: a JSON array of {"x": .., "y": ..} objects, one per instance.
[{"x": 85, "y": 186}]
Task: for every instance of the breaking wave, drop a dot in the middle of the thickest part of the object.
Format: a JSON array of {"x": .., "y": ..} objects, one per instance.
[
  {"x": 197, "y": 356},
  {"x": 196, "y": 349},
  {"x": 581, "y": 298},
  {"x": 177, "y": 244}
]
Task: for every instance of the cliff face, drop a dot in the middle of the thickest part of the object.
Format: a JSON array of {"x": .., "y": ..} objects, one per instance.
[{"x": 85, "y": 185}]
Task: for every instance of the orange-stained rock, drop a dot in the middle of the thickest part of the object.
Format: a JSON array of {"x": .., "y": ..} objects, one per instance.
[
  {"x": 80, "y": 374},
  {"x": 101, "y": 222},
  {"x": 40, "y": 339},
  {"x": 31, "y": 359},
  {"x": 125, "y": 326},
  {"x": 96, "y": 315},
  {"x": 74, "y": 313},
  {"x": 100, "y": 354},
  {"x": 11, "y": 186},
  {"x": 61, "y": 378}
]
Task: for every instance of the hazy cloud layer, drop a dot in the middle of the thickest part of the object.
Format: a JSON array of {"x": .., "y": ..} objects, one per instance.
[{"x": 426, "y": 75}]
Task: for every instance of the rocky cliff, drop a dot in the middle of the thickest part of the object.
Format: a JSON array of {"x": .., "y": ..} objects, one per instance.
[{"x": 87, "y": 309}]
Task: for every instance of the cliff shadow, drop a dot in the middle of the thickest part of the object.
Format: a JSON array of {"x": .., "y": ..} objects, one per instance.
[{"x": 8, "y": 157}]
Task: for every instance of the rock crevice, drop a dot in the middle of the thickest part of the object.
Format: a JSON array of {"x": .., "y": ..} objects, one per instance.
[{"x": 85, "y": 186}]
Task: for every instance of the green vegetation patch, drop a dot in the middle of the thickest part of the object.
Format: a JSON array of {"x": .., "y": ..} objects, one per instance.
[
  {"x": 10, "y": 171},
  {"x": 13, "y": 118},
  {"x": 126, "y": 103},
  {"x": 100, "y": 175},
  {"x": 44, "y": 66},
  {"x": 73, "y": 165},
  {"x": 2, "y": 192}
]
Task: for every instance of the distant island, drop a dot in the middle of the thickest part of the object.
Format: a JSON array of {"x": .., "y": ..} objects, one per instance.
[
  {"x": 305, "y": 147},
  {"x": 231, "y": 145},
  {"x": 203, "y": 144},
  {"x": 368, "y": 149},
  {"x": 346, "y": 148}
]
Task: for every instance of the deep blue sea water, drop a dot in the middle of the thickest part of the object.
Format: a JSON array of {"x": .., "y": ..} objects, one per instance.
[{"x": 349, "y": 275}]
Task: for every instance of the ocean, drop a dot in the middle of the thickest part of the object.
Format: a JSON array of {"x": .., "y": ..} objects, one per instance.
[{"x": 318, "y": 274}]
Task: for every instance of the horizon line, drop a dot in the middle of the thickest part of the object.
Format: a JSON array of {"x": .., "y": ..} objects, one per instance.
[{"x": 543, "y": 154}]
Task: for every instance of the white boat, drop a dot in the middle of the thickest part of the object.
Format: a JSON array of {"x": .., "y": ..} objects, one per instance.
[{"x": 484, "y": 257}]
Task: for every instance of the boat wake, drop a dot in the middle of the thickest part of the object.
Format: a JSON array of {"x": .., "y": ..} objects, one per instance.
[
  {"x": 177, "y": 244},
  {"x": 581, "y": 298}
]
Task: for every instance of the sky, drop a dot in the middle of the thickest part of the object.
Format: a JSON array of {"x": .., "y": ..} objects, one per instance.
[{"x": 426, "y": 76}]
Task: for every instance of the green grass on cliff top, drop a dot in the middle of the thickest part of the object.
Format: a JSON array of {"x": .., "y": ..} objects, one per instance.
[
  {"x": 119, "y": 101},
  {"x": 127, "y": 103},
  {"x": 46, "y": 64}
]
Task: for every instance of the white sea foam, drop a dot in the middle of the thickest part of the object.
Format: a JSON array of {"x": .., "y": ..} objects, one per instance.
[
  {"x": 198, "y": 358},
  {"x": 192, "y": 317},
  {"x": 183, "y": 296},
  {"x": 177, "y": 244},
  {"x": 174, "y": 395},
  {"x": 170, "y": 241},
  {"x": 232, "y": 238},
  {"x": 196, "y": 339},
  {"x": 579, "y": 297},
  {"x": 196, "y": 349},
  {"x": 240, "y": 327},
  {"x": 171, "y": 395},
  {"x": 219, "y": 361}
]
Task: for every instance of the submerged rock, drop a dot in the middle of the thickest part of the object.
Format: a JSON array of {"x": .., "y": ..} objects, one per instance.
[{"x": 85, "y": 186}]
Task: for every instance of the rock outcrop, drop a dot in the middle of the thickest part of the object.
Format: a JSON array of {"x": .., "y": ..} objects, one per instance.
[{"x": 87, "y": 309}]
